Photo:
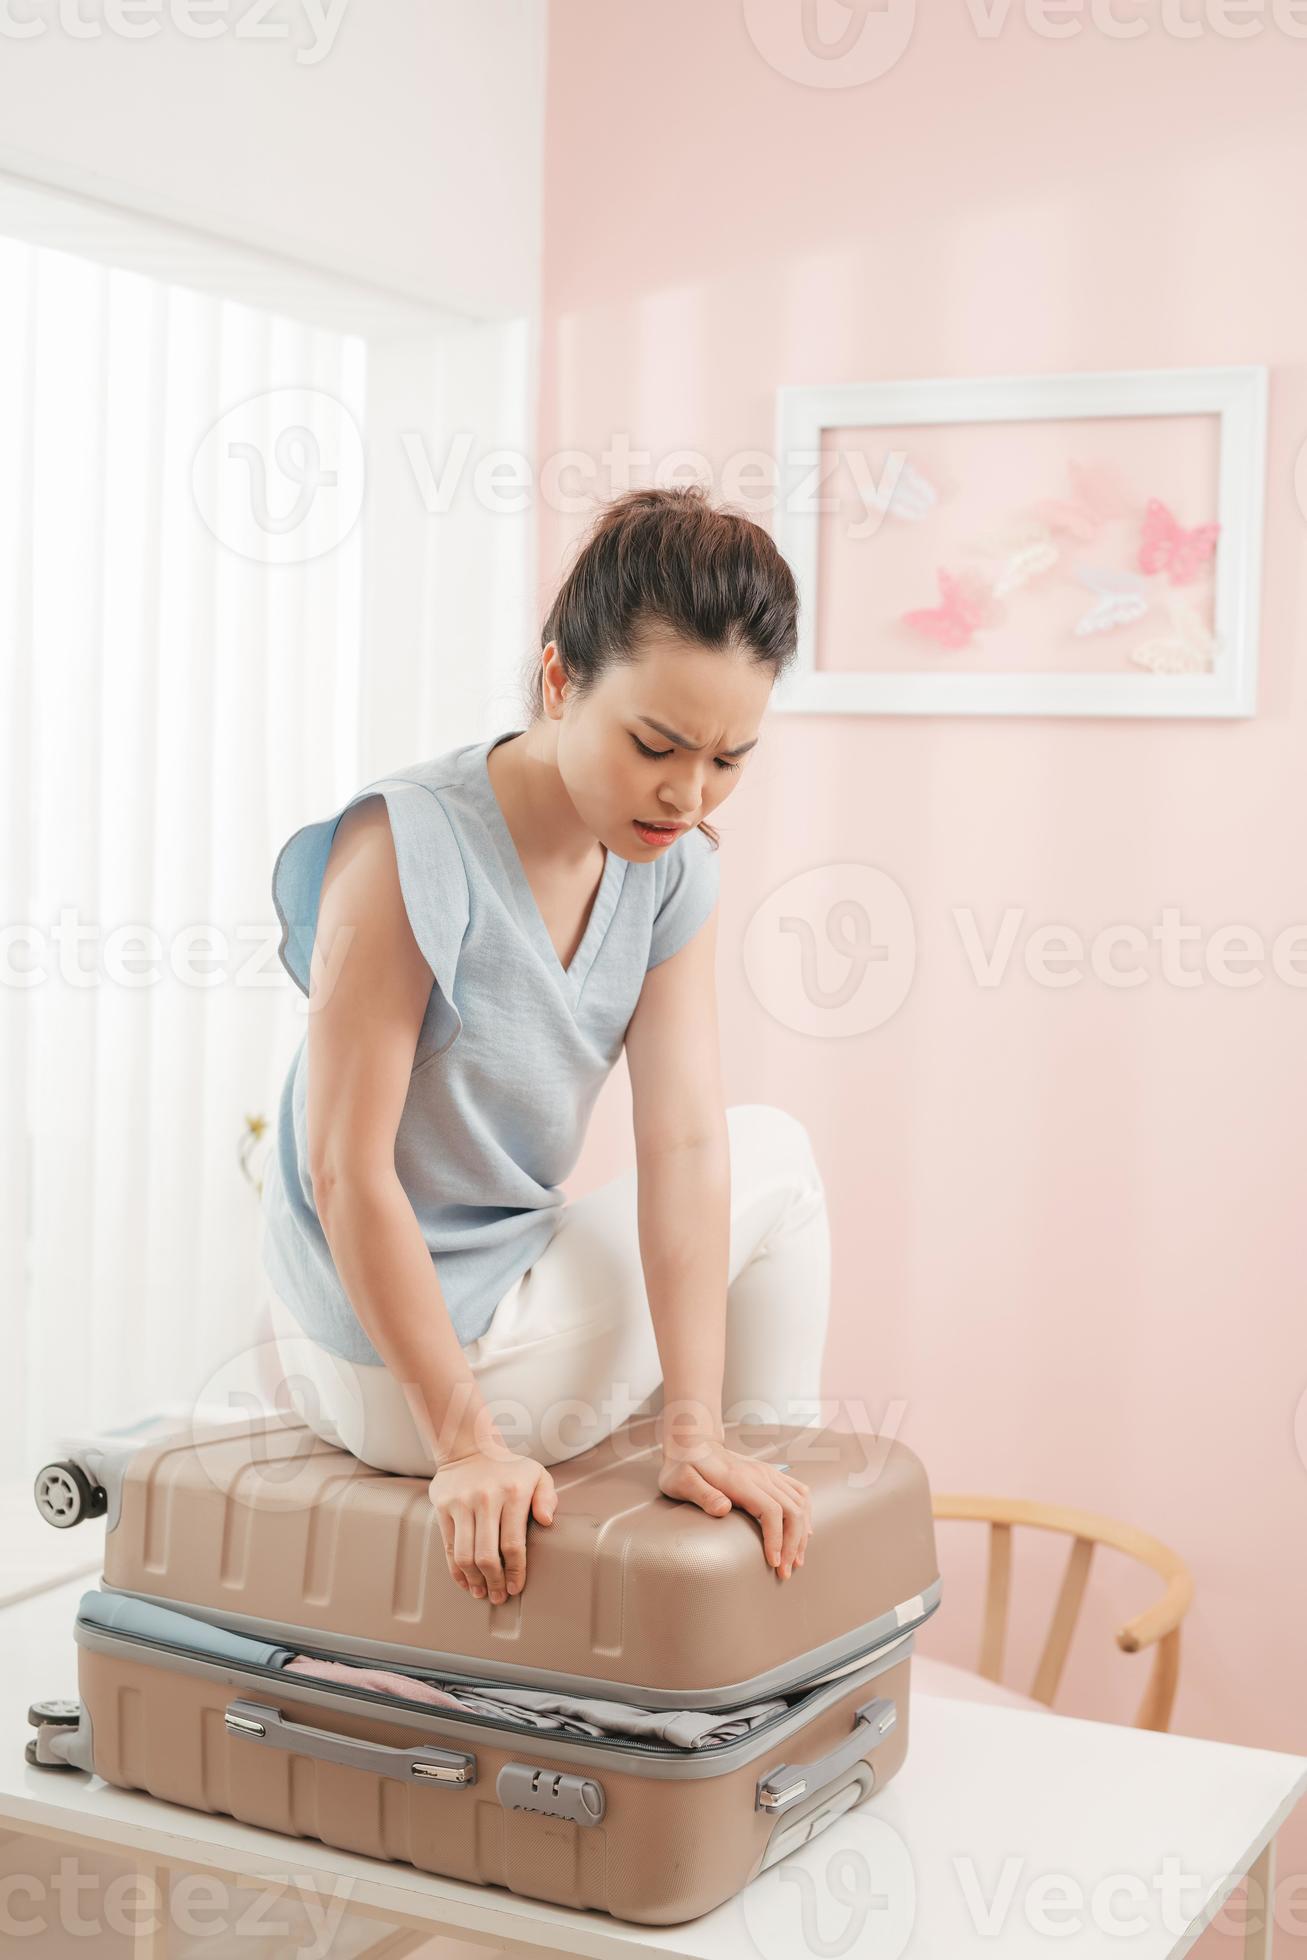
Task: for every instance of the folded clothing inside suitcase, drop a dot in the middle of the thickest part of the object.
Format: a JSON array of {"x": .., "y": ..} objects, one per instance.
[
  {"x": 651, "y": 1722},
  {"x": 537, "y": 1708}
]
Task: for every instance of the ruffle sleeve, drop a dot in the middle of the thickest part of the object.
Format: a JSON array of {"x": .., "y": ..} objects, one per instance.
[{"x": 433, "y": 880}]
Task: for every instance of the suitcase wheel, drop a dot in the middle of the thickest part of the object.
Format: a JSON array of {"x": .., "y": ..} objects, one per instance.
[
  {"x": 35, "y": 1760},
  {"x": 62, "y": 1714},
  {"x": 65, "y": 1495}
]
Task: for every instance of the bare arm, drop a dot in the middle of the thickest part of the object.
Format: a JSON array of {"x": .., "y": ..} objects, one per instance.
[
  {"x": 367, "y": 1003},
  {"x": 683, "y": 1172},
  {"x": 365, "y": 1013},
  {"x": 683, "y": 1169}
]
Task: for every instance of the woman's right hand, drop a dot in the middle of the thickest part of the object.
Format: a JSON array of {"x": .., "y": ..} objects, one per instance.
[{"x": 483, "y": 1503}]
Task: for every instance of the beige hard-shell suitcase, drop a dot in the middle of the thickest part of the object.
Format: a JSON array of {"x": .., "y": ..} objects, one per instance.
[{"x": 232, "y": 1547}]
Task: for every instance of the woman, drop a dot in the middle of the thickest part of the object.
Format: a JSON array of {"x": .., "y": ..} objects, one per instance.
[{"x": 480, "y": 936}]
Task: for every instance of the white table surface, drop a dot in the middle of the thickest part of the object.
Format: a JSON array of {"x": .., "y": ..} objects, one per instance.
[{"x": 997, "y": 1816}]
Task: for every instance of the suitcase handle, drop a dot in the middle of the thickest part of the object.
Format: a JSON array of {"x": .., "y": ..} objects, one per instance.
[
  {"x": 257, "y": 1721},
  {"x": 784, "y": 1786}
]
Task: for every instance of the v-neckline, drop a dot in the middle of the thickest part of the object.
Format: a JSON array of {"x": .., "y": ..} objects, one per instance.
[{"x": 602, "y": 906}]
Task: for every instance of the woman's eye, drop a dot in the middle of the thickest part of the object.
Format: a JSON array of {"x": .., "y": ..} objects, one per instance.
[{"x": 662, "y": 752}]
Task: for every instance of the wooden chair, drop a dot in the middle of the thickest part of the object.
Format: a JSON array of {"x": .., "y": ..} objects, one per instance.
[{"x": 1159, "y": 1625}]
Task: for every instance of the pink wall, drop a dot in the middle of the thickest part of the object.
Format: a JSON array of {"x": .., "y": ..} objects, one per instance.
[{"x": 1069, "y": 1224}]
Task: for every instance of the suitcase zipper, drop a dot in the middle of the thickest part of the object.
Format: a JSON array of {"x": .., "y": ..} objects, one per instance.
[
  {"x": 857, "y": 1660},
  {"x": 265, "y": 1671}
]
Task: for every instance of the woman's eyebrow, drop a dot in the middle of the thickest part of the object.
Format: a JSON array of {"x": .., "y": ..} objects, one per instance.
[{"x": 684, "y": 742}]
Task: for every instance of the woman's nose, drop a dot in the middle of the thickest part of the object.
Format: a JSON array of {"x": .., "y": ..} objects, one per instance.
[{"x": 682, "y": 798}]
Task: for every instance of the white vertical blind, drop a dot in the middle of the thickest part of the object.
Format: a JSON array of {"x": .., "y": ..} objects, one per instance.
[
  {"x": 172, "y": 707},
  {"x": 166, "y": 700}
]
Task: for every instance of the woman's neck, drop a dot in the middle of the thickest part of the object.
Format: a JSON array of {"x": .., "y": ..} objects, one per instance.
[{"x": 531, "y": 792}]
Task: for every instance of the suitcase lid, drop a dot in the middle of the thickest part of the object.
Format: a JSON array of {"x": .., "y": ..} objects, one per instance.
[{"x": 263, "y": 1527}]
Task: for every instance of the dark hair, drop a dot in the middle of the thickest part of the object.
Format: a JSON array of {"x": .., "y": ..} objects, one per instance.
[{"x": 667, "y": 558}]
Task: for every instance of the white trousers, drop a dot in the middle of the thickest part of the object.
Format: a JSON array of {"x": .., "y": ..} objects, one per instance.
[{"x": 570, "y": 1353}]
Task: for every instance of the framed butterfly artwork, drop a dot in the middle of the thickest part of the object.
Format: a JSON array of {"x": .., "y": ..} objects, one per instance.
[{"x": 1078, "y": 544}]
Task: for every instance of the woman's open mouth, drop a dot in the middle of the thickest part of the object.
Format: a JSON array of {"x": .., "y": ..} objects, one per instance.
[{"x": 658, "y": 833}]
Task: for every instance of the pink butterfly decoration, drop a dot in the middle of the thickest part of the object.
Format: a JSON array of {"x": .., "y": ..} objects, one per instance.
[
  {"x": 966, "y": 603},
  {"x": 1167, "y": 547},
  {"x": 1096, "y": 497}
]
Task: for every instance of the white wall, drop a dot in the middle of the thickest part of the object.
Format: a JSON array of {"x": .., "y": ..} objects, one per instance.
[{"x": 397, "y": 141}]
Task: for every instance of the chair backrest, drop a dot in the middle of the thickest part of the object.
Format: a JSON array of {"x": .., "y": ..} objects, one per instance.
[{"x": 1160, "y": 1624}]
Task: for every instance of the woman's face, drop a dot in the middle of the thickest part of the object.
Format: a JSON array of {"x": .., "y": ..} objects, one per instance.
[{"x": 616, "y": 752}]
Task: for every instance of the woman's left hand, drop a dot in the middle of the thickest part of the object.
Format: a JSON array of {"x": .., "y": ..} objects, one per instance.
[{"x": 719, "y": 1479}]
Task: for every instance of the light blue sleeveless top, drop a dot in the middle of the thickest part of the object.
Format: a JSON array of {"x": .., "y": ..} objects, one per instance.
[{"x": 512, "y": 1051}]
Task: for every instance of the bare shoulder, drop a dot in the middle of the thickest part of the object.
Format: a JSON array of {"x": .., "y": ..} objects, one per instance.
[
  {"x": 672, "y": 1045},
  {"x": 361, "y": 896},
  {"x": 363, "y": 830},
  {"x": 369, "y": 988}
]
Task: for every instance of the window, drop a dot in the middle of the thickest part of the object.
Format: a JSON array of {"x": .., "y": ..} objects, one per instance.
[{"x": 225, "y": 601}]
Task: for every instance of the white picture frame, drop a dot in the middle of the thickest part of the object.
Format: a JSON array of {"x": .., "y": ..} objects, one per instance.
[{"x": 1238, "y": 395}]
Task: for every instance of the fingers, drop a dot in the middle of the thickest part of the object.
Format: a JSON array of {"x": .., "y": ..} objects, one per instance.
[
  {"x": 447, "y": 1534},
  {"x": 804, "y": 1498},
  {"x": 762, "y": 1496},
  {"x": 704, "y": 1494},
  {"x": 544, "y": 1500},
  {"x": 489, "y": 1563},
  {"x": 465, "y": 1566},
  {"x": 794, "y": 1534},
  {"x": 781, "y": 1504},
  {"x": 471, "y": 1539},
  {"x": 512, "y": 1540},
  {"x": 786, "y": 1520},
  {"x": 484, "y": 1526},
  {"x": 484, "y": 1530},
  {"x": 771, "y": 1516}
]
